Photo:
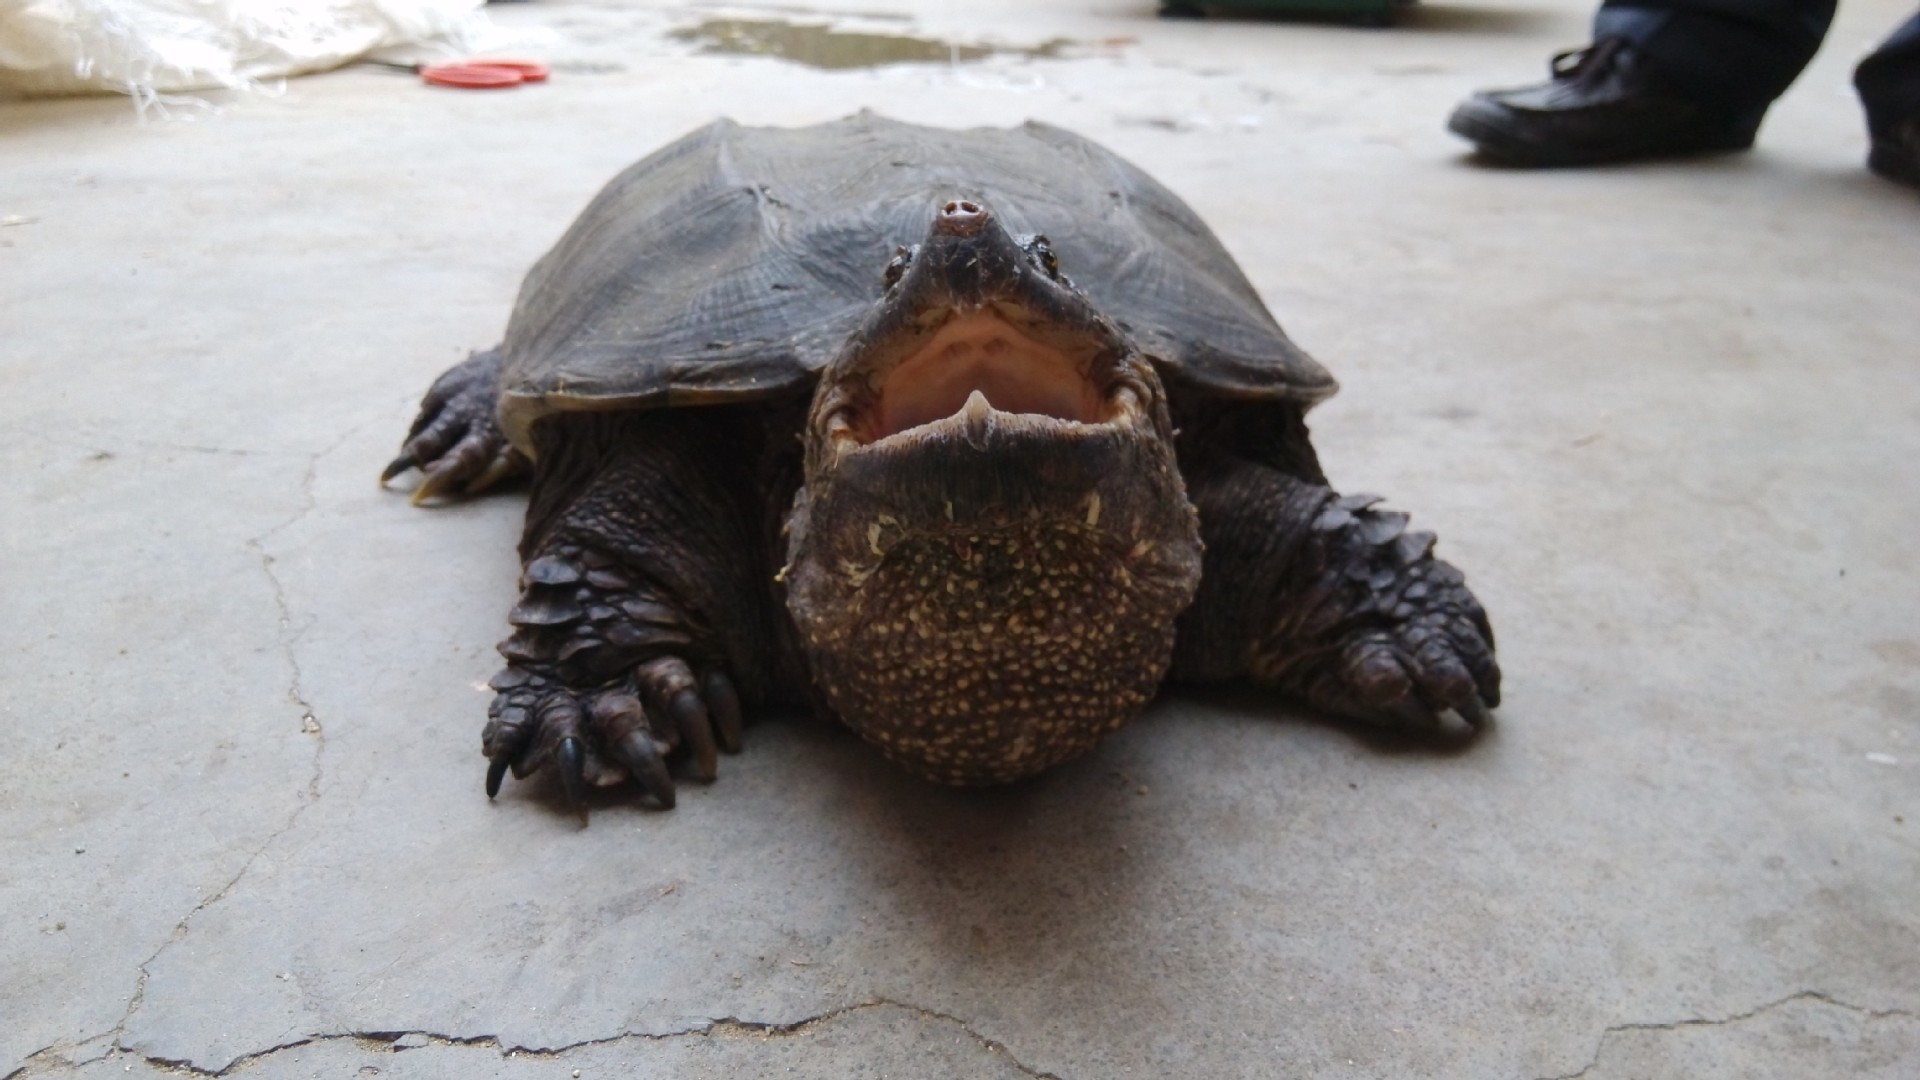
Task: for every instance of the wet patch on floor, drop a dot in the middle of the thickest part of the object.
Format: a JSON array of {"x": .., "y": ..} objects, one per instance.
[{"x": 822, "y": 46}]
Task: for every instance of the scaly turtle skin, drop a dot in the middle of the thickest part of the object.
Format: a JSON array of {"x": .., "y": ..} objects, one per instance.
[{"x": 977, "y": 497}]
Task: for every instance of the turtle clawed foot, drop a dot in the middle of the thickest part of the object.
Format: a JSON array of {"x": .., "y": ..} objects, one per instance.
[
  {"x": 1412, "y": 675},
  {"x": 660, "y": 716},
  {"x": 1397, "y": 638},
  {"x": 455, "y": 441}
]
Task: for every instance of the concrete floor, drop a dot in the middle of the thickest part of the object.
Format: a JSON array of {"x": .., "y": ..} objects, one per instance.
[{"x": 1664, "y": 416}]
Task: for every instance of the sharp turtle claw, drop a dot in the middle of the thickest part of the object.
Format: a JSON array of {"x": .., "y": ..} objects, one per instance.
[
  {"x": 435, "y": 481},
  {"x": 690, "y": 716},
  {"x": 573, "y": 774},
  {"x": 1475, "y": 712},
  {"x": 496, "y": 772},
  {"x": 723, "y": 702},
  {"x": 503, "y": 465},
  {"x": 397, "y": 466},
  {"x": 641, "y": 755}
]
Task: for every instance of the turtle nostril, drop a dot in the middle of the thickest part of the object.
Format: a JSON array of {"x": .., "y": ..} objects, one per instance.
[{"x": 961, "y": 217}]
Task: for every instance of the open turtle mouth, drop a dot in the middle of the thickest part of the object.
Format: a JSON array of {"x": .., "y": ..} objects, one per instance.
[
  {"x": 978, "y": 330},
  {"x": 983, "y": 353},
  {"x": 978, "y": 364}
]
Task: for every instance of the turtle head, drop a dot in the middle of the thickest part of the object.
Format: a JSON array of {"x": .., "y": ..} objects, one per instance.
[
  {"x": 971, "y": 309},
  {"x": 992, "y": 542}
]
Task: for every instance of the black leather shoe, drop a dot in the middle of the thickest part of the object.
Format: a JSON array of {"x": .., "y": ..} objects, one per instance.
[
  {"x": 1896, "y": 153},
  {"x": 1603, "y": 104}
]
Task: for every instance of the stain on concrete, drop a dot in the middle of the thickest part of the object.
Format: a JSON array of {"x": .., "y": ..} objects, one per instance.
[
  {"x": 1897, "y": 703},
  {"x": 1900, "y": 652}
]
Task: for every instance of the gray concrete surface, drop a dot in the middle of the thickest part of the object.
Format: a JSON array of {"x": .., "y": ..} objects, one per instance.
[{"x": 1665, "y": 416}]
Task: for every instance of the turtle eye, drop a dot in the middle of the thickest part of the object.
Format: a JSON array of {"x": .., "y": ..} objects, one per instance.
[
  {"x": 902, "y": 258},
  {"x": 1042, "y": 253}
]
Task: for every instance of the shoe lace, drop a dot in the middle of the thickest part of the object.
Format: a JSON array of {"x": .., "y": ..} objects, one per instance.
[{"x": 1575, "y": 65}]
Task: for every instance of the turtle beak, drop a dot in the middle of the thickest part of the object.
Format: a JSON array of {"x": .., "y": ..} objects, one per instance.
[{"x": 977, "y": 320}]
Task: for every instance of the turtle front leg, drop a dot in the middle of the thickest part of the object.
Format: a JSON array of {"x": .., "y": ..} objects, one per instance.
[
  {"x": 456, "y": 441},
  {"x": 643, "y": 616},
  {"x": 606, "y": 677},
  {"x": 1329, "y": 598}
]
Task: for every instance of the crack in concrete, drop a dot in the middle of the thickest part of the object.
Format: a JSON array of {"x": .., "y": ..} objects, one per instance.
[
  {"x": 48, "y": 1051},
  {"x": 1600, "y": 1047},
  {"x": 310, "y": 724},
  {"x": 721, "y": 1027},
  {"x": 99, "y": 451},
  {"x": 290, "y": 637}
]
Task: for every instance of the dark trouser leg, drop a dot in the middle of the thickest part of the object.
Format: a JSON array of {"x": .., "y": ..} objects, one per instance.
[
  {"x": 1737, "y": 53},
  {"x": 1889, "y": 80}
]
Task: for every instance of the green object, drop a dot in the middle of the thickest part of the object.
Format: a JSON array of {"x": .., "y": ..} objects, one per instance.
[{"x": 1371, "y": 12}]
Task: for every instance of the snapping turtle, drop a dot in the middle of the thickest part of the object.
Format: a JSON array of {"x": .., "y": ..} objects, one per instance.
[{"x": 968, "y": 438}]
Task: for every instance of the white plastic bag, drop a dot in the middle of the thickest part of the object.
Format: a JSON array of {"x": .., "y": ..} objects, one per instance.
[{"x": 145, "y": 48}]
